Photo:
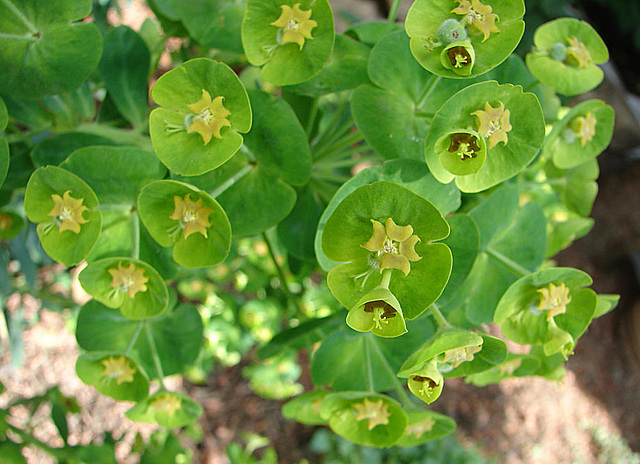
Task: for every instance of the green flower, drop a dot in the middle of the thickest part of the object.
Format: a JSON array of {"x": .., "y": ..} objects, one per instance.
[
  {"x": 374, "y": 412},
  {"x": 493, "y": 123},
  {"x": 378, "y": 312},
  {"x": 210, "y": 117},
  {"x": 67, "y": 212},
  {"x": 118, "y": 369},
  {"x": 478, "y": 15},
  {"x": 393, "y": 245},
  {"x": 427, "y": 382}
]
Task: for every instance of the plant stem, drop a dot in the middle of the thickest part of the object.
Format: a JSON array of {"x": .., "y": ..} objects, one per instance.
[
  {"x": 513, "y": 267},
  {"x": 393, "y": 11},
  {"x": 281, "y": 276},
  {"x": 325, "y": 137},
  {"x": 231, "y": 180},
  {"x": 134, "y": 338},
  {"x": 439, "y": 317},
  {"x": 399, "y": 388},
  {"x": 340, "y": 144},
  {"x": 154, "y": 353},
  {"x": 313, "y": 114},
  {"x": 386, "y": 278},
  {"x": 135, "y": 236}
]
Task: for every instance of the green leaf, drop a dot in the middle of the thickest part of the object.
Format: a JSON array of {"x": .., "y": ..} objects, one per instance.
[
  {"x": 44, "y": 50},
  {"x": 67, "y": 247},
  {"x": 277, "y": 140},
  {"x": 425, "y": 17},
  {"x": 145, "y": 297},
  {"x": 305, "y": 408},
  {"x": 183, "y": 86},
  {"x": 349, "y": 360},
  {"x": 116, "y": 174},
  {"x": 177, "y": 336},
  {"x": 286, "y": 64},
  {"x": 152, "y": 410},
  {"x": 514, "y": 366},
  {"x": 503, "y": 160},
  {"x": 424, "y": 426},
  {"x": 410, "y": 174},
  {"x": 124, "y": 381},
  {"x": 124, "y": 68},
  {"x": 297, "y": 231},
  {"x": 57, "y": 148},
  {"x": 345, "y": 411},
  {"x": 605, "y": 304},
  {"x": 206, "y": 245},
  {"x": 565, "y": 77}
]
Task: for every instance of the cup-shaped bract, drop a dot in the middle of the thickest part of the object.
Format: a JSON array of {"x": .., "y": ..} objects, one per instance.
[
  {"x": 364, "y": 418},
  {"x": 114, "y": 375},
  {"x": 566, "y": 54},
  {"x": 203, "y": 109},
  {"x": 509, "y": 120},
  {"x": 582, "y": 134},
  {"x": 129, "y": 284},
  {"x": 179, "y": 215},
  {"x": 424, "y": 426},
  {"x": 64, "y": 207},
  {"x": 378, "y": 312},
  {"x": 384, "y": 234},
  {"x": 290, "y": 39},
  {"x": 464, "y": 38},
  {"x": 549, "y": 308},
  {"x": 168, "y": 409}
]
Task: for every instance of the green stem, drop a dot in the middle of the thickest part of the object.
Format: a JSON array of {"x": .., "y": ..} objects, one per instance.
[
  {"x": 347, "y": 160},
  {"x": 135, "y": 235},
  {"x": 513, "y": 267},
  {"x": 439, "y": 317},
  {"x": 313, "y": 114},
  {"x": 399, "y": 388},
  {"x": 339, "y": 145},
  {"x": 231, "y": 180},
  {"x": 32, "y": 28},
  {"x": 369, "y": 384},
  {"x": 427, "y": 90},
  {"x": 386, "y": 278},
  {"x": 393, "y": 11},
  {"x": 134, "y": 338},
  {"x": 281, "y": 276},
  {"x": 329, "y": 131},
  {"x": 154, "y": 353}
]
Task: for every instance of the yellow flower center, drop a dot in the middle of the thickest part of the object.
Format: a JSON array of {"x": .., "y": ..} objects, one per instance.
[
  {"x": 210, "y": 117},
  {"x": 457, "y": 356},
  {"x": 554, "y": 300},
  {"x": 118, "y": 369},
  {"x": 166, "y": 403},
  {"x": 577, "y": 53},
  {"x": 478, "y": 15},
  {"x": 129, "y": 280},
  {"x": 393, "y": 245},
  {"x": 295, "y": 25},
  {"x": 493, "y": 123},
  {"x": 428, "y": 385},
  {"x": 417, "y": 429},
  {"x": 191, "y": 215},
  {"x": 68, "y": 212},
  {"x": 585, "y": 128},
  {"x": 375, "y": 412}
]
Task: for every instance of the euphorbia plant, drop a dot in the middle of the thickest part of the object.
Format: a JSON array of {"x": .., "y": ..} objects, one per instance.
[{"x": 476, "y": 175}]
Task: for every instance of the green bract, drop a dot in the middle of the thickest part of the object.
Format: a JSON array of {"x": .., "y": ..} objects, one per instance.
[
  {"x": 114, "y": 375},
  {"x": 204, "y": 106},
  {"x": 365, "y": 418},
  {"x": 168, "y": 409},
  {"x": 424, "y": 426},
  {"x": 64, "y": 207},
  {"x": 131, "y": 285},
  {"x": 44, "y": 49},
  {"x": 486, "y": 33},
  {"x": 548, "y": 308},
  {"x": 10, "y": 225},
  {"x": 565, "y": 56},
  {"x": 581, "y": 135},
  {"x": 508, "y": 119},
  {"x": 179, "y": 215},
  {"x": 416, "y": 268},
  {"x": 291, "y": 40},
  {"x": 306, "y": 408}
]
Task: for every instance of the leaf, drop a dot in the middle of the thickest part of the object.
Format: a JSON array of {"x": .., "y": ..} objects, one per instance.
[
  {"x": 40, "y": 41},
  {"x": 151, "y": 410},
  {"x": 57, "y": 148},
  {"x": 349, "y": 360},
  {"x": 177, "y": 335},
  {"x": 424, "y": 426},
  {"x": 124, "y": 68},
  {"x": 91, "y": 369}
]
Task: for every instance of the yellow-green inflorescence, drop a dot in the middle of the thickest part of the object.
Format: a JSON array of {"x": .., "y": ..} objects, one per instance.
[
  {"x": 129, "y": 280},
  {"x": 493, "y": 123},
  {"x": 584, "y": 128},
  {"x": 68, "y": 212},
  {"x": 208, "y": 118},
  {"x": 118, "y": 369},
  {"x": 375, "y": 412},
  {"x": 167, "y": 403},
  {"x": 295, "y": 25},
  {"x": 393, "y": 245},
  {"x": 478, "y": 15},
  {"x": 554, "y": 299},
  {"x": 191, "y": 215}
]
